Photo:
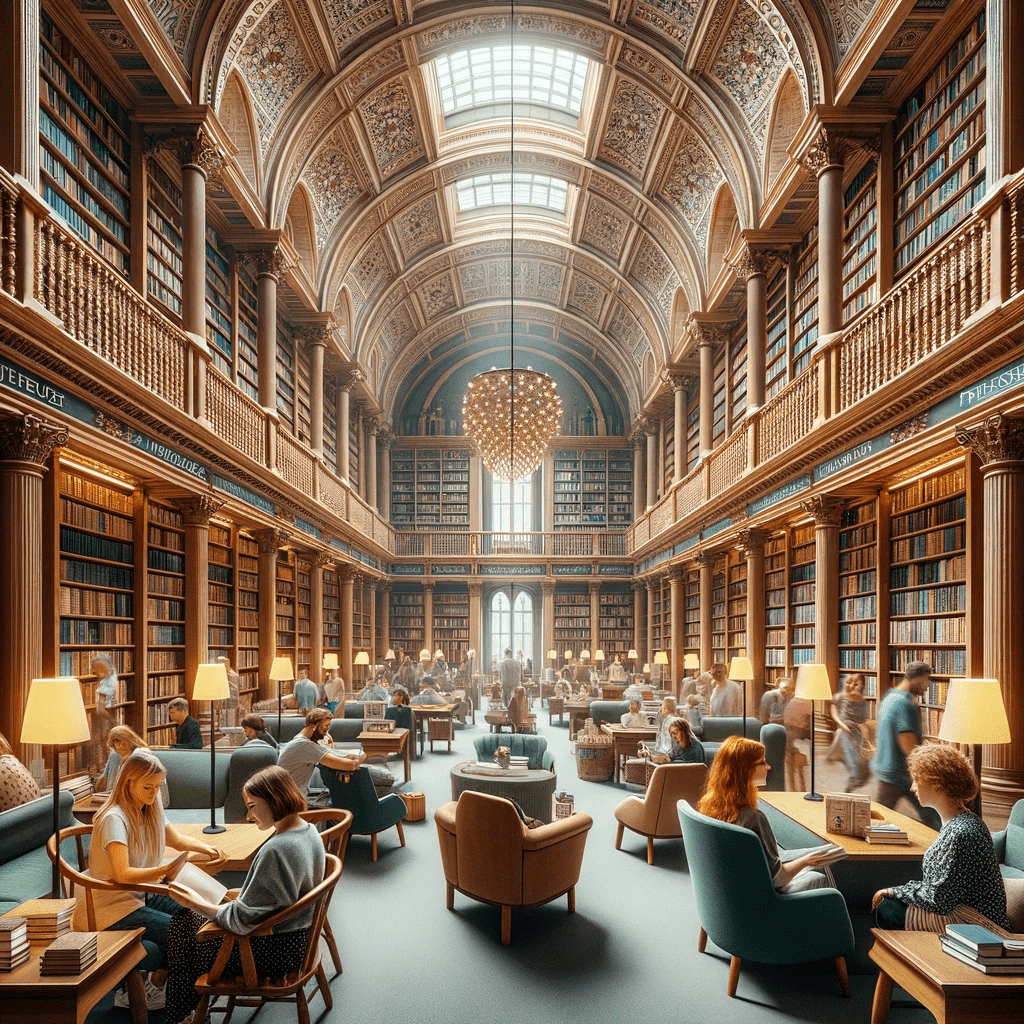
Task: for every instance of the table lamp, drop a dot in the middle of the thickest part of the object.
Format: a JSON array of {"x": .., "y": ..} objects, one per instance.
[
  {"x": 330, "y": 661},
  {"x": 975, "y": 714},
  {"x": 632, "y": 656},
  {"x": 361, "y": 658},
  {"x": 212, "y": 685},
  {"x": 584, "y": 654},
  {"x": 568, "y": 654},
  {"x": 660, "y": 658},
  {"x": 742, "y": 671},
  {"x": 812, "y": 684},
  {"x": 55, "y": 716},
  {"x": 425, "y": 654},
  {"x": 690, "y": 661},
  {"x": 280, "y": 669},
  {"x": 390, "y": 656}
]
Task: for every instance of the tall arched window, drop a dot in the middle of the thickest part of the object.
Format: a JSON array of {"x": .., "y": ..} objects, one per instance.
[{"x": 512, "y": 624}]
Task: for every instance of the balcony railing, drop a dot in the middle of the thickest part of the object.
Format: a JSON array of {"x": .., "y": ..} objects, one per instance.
[{"x": 558, "y": 544}]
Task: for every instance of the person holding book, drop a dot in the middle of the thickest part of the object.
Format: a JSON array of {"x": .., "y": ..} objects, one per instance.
[
  {"x": 129, "y": 834},
  {"x": 287, "y": 866},
  {"x": 737, "y": 772},
  {"x": 960, "y": 868},
  {"x": 684, "y": 747}
]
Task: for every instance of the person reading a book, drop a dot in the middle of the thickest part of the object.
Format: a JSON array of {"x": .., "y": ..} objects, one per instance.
[
  {"x": 287, "y": 866},
  {"x": 738, "y": 771},
  {"x": 255, "y": 730},
  {"x": 684, "y": 747},
  {"x": 129, "y": 834},
  {"x": 960, "y": 869}
]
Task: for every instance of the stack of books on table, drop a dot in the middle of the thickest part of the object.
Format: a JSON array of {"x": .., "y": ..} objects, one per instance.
[
  {"x": 72, "y": 953},
  {"x": 47, "y": 919},
  {"x": 984, "y": 949},
  {"x": 14, "y": 950},
  {"x": 887, "y": 832},
  {"x": 517, "y": 761}
]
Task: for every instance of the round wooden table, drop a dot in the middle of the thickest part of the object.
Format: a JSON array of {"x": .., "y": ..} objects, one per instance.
[{"x": 533, "y": 789}]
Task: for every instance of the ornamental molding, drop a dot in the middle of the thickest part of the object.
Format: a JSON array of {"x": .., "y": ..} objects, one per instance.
[
  {"x": 190, "y": 145},
  {"x": 114, "y": 428},
  {"x": 825, "y": 509},
  {"x": 753, "y": 260},
  {"x": 271, "y": 540},
  {"x": 998, "y": 440},
  {"x": 271, "y": 261},
  {"x": 30, "y": 438},
  {"x": 752, "y": 542},
  {"x": 198, "y": 509},
  {"x": 908, "y": 428}
]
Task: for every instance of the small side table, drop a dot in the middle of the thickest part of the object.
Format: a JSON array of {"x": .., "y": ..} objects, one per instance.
[{"x": 532, "y": 790}]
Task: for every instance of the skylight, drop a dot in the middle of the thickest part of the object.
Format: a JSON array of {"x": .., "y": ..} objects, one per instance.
[
  {"x": 495, "y": 75},
  {"x": 504, "y": 188}
]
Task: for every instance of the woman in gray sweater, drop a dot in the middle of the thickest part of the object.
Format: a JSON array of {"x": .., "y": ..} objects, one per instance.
[{"x": 287, "y": 866}]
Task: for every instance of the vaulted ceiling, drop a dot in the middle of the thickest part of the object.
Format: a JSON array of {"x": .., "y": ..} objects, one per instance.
[{"x": 334, "y": 125}]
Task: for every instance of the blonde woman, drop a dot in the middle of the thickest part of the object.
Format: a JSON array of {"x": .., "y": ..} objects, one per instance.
[
  {"x": 122, "y": 740},
  {"x": 129, "y": 834}
]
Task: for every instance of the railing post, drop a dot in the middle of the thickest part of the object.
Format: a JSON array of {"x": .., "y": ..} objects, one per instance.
[
  {"x": 753, "y": 434},
  {"x": 270, "y": 419}
]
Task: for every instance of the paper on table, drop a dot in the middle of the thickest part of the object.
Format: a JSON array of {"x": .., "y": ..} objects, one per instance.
[{"x": 205, "y": 886}]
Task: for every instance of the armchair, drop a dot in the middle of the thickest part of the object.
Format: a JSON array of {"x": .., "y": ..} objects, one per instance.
[
  {"x": 353, "y": 791},
  {"x": 654, "y": 815},
  {"x": 520, "y": 744},
  {"x": 333, "y": 826},
  {"x": 743, "y": 914},
  {"x": 489, "y": 855},
  {"x": 1009, "y": 843}
]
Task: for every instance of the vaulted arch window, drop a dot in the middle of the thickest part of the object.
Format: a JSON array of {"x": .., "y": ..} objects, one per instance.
[
  {"x": 504, "y": 188},
  {"x": 512, "y": 623}
]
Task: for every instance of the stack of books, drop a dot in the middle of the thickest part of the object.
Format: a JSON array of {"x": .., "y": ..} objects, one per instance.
[
  {"x": 14, "y": 950},
  {"x": 72, "y": 953},
  {"x": 47, "y": 919},
  {"x": 517, "y": 761},
  {"x": 983, "y": 949},
  {"x": 887, "y": 832}
]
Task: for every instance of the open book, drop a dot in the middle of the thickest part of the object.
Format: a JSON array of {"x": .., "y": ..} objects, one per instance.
[
  {"x": 832, "y": 852},
  {"x": 198, "y": 884}
]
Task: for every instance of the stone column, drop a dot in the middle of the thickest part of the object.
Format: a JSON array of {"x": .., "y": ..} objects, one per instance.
[
  {"x": 346, "y": 582},
  {"x": 341, "y": 419},
  {"x": 706, "y": 565},
  {"x": 752, "y": 543},
  {"x": 387, "y": 439},
  {"x": 316, "y": 339},
  {"x": 270, "y": 266},
  {"x": 1004, "y": 98},
  {"x": 19, "y": 94},
  {"x": 547, "y": 628},
  {"x": 680, "y": 388},
  {"x": 677, "y": 578},
  {"x": 269, "y": 542},
  {"x": 371, "y": 597},
  {"x": 385, "y": 616},
  {"x": 476, "y": 621},
  {"x": 824, "y": 158},
  {"x": 998, "y": 444},
  {"x": 195, "y": 517},
  {"x": 428, "y": 618},
  {"x": 320, "y": 561},
  {"x": 827, "y": 511},
  {"x": 371, "y": 463},
  {"x": 26, "y": 443},
  {"x": 706, "y": 350},
  {"x": 476, "y": 499},
  {"x": 652, "y": 584},
  {"x": 651, "y": 430},
  {"x": 752, "y": 267},
  {"x": 639, "y": 615},
  {"x": 639, "y": 489}
]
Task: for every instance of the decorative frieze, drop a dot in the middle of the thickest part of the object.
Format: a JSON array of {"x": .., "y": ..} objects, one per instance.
[{"x": 198, "y": 509}]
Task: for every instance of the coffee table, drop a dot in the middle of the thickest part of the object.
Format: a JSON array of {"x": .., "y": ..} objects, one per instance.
[
  {"x": 953, "y": 992},
  {"x": 239, "y": 840},
  {"x": 384, "y": 743},
  {"x": 532, "y": 790},
  {"x": 27, "y": 996},
  {"x": 625, "y": 743}
]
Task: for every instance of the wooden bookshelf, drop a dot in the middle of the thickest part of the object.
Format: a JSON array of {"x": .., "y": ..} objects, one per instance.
[
  {"x": 593, "y": 488},
  {"x": 165, "y": 617},
  {"x": 360, "y": 616},
  {"x": 691, "y": 612},
  {"x": 248, "y": 637},
  {"x": 455, "y": 489},
  {"x": 568, "y": 488},
  {"x": 718, "y": 609},
  {"x": 284, "y": 606},
  {"x": 451, "y": 622},
  {"x": 620, "y": 488},
  {"x": 332, "y": 612},
  {"x": 928, "y": 581},
  {"x": 858, "y": 594},
  {"x": 303, "y": 620},
  {"x": 801, "y": 595},
  {"x": 571, "y": 630},
  {"x": 616, "y": 628},
  {"x": 407, "y": 621},
  {"x": 776, "y": 575},
  {"x": 430, "y": 488},
  {"x": 660, "y": 603},
  {"x": 736, "y": 612},
  {"x": 221, "y": 594}
]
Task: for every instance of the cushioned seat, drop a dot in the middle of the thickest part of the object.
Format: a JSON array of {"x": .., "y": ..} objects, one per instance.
[
  {"x": 1009, "y": 843},
  {"x": 519, "y": 744},
  {"x": 353, "y": 791},
  {"x": 654, "y": 815}
]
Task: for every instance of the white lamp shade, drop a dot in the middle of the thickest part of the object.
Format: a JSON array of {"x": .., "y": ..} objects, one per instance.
[
  {"x": 598, "y": 655},
  {"x": 632, "y": 654},
  {"x": 281, "y": 668},
  {"x": 211, "y": 683},
  {"x": 646, "y": 669},
  {"x": 471, "y": 654},
  {"x": 568, "y": 654},
  {"x": 691, "y": 661},
  {"x": 552, "y": 655},
  {"x": 362, "y": 658},
  {"x": 740, "y": 668},
  {"x": 390, "y": 656},
  {"x": 55, "y": 712},
  {"x": 660, "y": 658},
  {"x": 425, "y": 654},
  {"x": 585, "y": 653},
  {"x": 974, "y": 713},
  {"x": 330, "y": 661},
  {"x": 812, "y": 682}
]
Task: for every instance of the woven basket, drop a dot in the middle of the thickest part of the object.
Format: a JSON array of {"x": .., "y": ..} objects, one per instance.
[
  {"x": 638, "y": 771},
  {"x": 594, "y": 762}
]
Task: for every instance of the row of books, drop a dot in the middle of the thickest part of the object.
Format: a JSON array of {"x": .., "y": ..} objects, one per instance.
[{"x": 983, "y": 949}]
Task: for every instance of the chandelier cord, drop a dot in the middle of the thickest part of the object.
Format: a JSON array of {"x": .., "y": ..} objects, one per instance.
[{"x": 512, "y": 239}]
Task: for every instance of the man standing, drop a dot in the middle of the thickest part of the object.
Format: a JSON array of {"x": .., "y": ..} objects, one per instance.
[
  {"x": 726, "y": 695},
  {"x": 306, "y": 693},
  {"x": 510, "y": 675},
  {"x": 302, "y": 754},
  {"x": 187, "y": 736},
  {"x": 773, "y": 703},
  {"x": 899, "y": 731}
]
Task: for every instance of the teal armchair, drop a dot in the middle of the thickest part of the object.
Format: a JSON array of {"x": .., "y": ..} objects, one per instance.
[
  {"x": 353, "y": 791},
  {"x": 1009, "y": 843},
  {"x": 742, "y": 913},
  {"x": 520, "y": 744}
]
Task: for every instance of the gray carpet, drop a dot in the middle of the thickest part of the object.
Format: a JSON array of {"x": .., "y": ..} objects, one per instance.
[{"x": 629, "y": 950}]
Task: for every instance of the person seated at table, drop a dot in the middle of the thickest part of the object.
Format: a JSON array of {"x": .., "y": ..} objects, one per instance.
[
  {"x": 129, "y": 834},
  {"x": 960, "y": 869},
  {"x": 286, "y": 867},
  {"x": 373, "y": 690},
  {"x": 300, "y": 755},
  {"x": 122, "y": 741},
  {"x": 399, "y": 711},
  {"x": 518, "y": 708},
  {"x": 693, "y": 714},
  {"x": 616, "y": 672},
  {"x": 563, "y": 689},
  {"x": 634, "y": 718},
  {"x": 662, "y": 742},
  {"x": 737, "y": 772},
  {"x": 17, "y": 786},
  {"x": 255, "y": 729},
  {"x": 428, "y": 695},
  {"x": 685, "y": 748},
  {"x": 187, "y": 735}
]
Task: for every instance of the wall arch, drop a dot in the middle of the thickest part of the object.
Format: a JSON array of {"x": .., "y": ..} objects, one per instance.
[{"x": 236, "y": 114}]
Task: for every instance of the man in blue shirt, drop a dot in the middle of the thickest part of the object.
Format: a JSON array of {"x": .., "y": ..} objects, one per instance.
[
  {"x": 306, "y": 694},
  {"x": 899, "y": 731}
]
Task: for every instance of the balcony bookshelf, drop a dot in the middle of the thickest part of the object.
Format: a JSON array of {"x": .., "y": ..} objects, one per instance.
[
  {"x": 858, "y": 594},
  {"x": 451, "y": 622},
  {"x": 593, "y": 488},
  {"x": 430, "y": 488}
]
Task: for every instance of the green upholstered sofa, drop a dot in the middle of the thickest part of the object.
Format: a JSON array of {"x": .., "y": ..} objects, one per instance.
[
  {"x": 1009, "y": 843},
  {"x": 343, "y": 730},
  {"x": 25, "y": 870},
  {"x": 519, "y": 744}
]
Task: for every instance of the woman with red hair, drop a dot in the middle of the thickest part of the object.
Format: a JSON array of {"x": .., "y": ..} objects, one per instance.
[{"x": 737, "y": 772}]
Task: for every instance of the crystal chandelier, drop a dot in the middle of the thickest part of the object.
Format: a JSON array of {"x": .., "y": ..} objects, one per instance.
[{"x": 511, "y": 414}]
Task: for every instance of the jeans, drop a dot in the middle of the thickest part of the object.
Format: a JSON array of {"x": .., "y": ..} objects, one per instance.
[
  {"x": 888, "y": 795},
  {"x": 155, "y": 918},
  {"x": 853, "y": 757}
]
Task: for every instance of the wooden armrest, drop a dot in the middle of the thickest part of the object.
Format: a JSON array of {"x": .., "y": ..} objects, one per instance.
[{"x": 211, "y": 930}]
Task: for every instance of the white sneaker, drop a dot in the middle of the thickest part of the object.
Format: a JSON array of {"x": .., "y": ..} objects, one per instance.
[{"x": 156, "y": 996}]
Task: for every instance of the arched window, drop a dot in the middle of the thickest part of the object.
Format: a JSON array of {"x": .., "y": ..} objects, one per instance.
[{"x": 512, "y": 624}]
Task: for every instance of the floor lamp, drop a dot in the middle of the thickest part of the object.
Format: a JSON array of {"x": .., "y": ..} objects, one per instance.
[
  {"x": 55, "y": 717},
  {"x": 632, "y": 656},
  {"x": 212, "y": 685},
  {"x": 362, "y": 658},
  {"x": 812, "y": 684},
  {"x": 660, "y": 658},
  {"x": 280, "y": 669},
  {"x": 742, "y": 671},
  {"x": 975, "y": 714}
]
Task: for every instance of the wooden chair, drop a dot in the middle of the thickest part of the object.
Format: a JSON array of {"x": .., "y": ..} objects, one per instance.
[
  {"x": 335, "y": 839},
  {"x": 250, "y": 990},
  {"x": 442, "y": 730}
]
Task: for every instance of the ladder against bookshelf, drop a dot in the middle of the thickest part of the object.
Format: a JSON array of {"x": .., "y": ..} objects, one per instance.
[
  {"x": 165, "y": 616},
  {"x": 718, "y": 609},
  {"x": 801, "y": 594},
  {"x": 571, "y": 630},
  {"x": 332, "y": 612},
  {"x": 775, "y": 607},
  {"x": 407, "y": 621},
  {"x": 221, "y": 594},
  {"x": 616, "y": 628},
  {"x": 858, "y": 594},
  {"x": 928, "y": 581},
  {"x": 96, "y": 602},
  {"x": 736, "y": 618},
  {"x": 451, "y": 623},
  {"x": 248, "y": 591},
  {"x": 303, "y": 637}
]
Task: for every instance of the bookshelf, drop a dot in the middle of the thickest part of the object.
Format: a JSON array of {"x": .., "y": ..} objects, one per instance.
[
  {"x": 736, "y": 619},
  {"x": 660, "y": 611},
  {"x": 571, "y": 630},
  {"x": 928, "y": 581},
  {"x": 407, "y": 619},
  {"x": 620, "y": 489},
  {"x": 247, "y": 589},
  {"x": 430, "y": 488},
  {"x": 96, "y": 598},
  {"x": 451, "y": 622},
  {"x": 284, "y": 606},
  {"x": 165, "y": 617},
  {"x": 775, "y": 607},
  {"x": 801, "y": 595},
  {"x": 303, "y": 618},
  {"x": 691, "y": 612},
  {"x": 858, "y": 594},
  {"x": 593, "y": 488},
  {"x": 221, "y": 594},
  {"x": 360, "y": 616},
  {"x": 567, "y": 489},
  {"x": 615, "y": 625},
  {"x": 805, "y": 302},
  {"x": 718, "y": 609},
  {"x": 455, "y": 489},
  {"x": 332, "y": 612}
]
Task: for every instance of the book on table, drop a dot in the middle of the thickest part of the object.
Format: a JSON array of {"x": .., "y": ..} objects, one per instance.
[
  {"x": 985, "y": 964},
  {"x": 976, "y": 937},
  {"x": 14, "y": 946},
  {"x": 887, "y": 832},
  {"x": 70, "y": 954}
]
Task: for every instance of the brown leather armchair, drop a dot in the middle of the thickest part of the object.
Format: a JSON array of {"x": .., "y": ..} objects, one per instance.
[
  {"x": 489, "y": 855},
  {"x": 654, "y": 815}
]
